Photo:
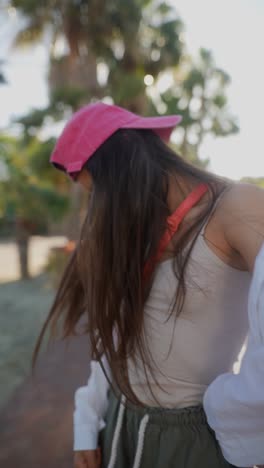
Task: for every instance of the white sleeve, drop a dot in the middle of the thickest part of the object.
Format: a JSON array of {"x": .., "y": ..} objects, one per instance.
[
  {"x": 234, "y": 404},
  {"x": 90, "y": 408}
]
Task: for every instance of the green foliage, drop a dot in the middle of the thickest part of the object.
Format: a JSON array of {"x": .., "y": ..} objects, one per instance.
[
  {"x": 33, "y": 119},
  {"x": 2, "y": 79},
  {"x": 27, "y": 192},
  {"x": 199, "y": 95},
  {"x": 68, "y": 96},
  {"x": 259, "y": 181},
  {"x": 2, "y": 75}
]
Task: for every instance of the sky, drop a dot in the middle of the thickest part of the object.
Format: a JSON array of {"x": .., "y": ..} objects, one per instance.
[{"x": 232, "y": 29}]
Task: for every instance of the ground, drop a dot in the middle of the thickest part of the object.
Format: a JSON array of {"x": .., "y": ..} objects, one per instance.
[
  {"x": 35, "y": 411},
  {"x": 23, "y": 308}
]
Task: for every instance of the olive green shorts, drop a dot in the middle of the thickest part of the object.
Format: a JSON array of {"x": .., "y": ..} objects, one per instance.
[{"x": 136, "y": 437}]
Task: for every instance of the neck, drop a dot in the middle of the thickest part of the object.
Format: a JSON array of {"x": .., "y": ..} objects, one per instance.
[{"x": 179, "y": 189}]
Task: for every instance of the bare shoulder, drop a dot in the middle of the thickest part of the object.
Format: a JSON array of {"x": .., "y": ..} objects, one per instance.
[
  {"x": 241, "y": 197},
  {"x": 241, "y": 213}
]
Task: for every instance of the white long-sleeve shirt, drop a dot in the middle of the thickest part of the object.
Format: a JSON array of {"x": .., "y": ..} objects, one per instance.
[
  {"x": 90, "y": 407},
  {"x": 234, "y": 404}
]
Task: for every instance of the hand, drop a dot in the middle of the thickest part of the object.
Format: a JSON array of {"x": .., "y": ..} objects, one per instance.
[{"x": 87, "y": 458}]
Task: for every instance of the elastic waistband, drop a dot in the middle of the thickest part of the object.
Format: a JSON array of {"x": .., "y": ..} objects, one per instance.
[{"x": 188, "y": 416}]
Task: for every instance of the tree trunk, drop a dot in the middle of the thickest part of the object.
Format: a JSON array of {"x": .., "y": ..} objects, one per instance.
[
  {"x": 22, "y": 240},
  {"x": 78, "y": 71},
  {"x": 74, "y": 217},
  {"x": 75, "y": 72}
]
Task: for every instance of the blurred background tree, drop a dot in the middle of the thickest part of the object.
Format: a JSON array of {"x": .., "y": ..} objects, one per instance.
[
  {"x": 199, "y": 94},
  {"x": 128, "y": 52},
  {"x": 2, "y": 75},
  {"x": 31, "y": 195},
  {"x": 123, "y": 50},
  {"x": 259, "y": 181}
]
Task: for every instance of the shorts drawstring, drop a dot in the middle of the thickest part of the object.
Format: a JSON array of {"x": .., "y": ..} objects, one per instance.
[
  {"x": 140, "y": 443},
  {"x": 119, "y": 422},
  {"x": 141, "y": 436}
]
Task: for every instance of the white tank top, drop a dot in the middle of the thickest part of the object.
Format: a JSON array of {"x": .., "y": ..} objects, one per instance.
[{"x": 204, "y": 341}]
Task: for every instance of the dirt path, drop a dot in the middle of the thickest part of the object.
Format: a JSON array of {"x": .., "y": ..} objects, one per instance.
[
  {"x": 35, "y": 413},
  {"x": 36, "y": 424},
  {"x": 23, "y": 308}
]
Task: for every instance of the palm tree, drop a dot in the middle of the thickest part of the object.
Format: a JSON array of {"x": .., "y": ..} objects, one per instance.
[{"x": 132, "y": 38}]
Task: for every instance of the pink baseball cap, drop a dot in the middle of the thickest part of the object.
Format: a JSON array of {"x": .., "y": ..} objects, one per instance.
[{"x": 90, "y": 126}]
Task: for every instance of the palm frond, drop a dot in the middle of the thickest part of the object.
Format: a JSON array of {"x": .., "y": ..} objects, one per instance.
[{"x": 31, "y": 34}]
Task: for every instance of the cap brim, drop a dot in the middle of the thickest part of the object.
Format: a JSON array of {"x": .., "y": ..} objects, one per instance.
[{"x": 163, "y": 126}]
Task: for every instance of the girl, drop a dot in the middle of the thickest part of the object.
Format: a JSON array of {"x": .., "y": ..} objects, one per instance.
[{"x": 161, "y": 272}]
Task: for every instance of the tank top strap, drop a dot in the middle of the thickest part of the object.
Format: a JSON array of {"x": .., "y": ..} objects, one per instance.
[{"x": 173, "y": 222}]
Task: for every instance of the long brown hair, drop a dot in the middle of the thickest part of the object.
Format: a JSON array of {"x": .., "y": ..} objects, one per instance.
[{"x": 126, "y": 217}]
